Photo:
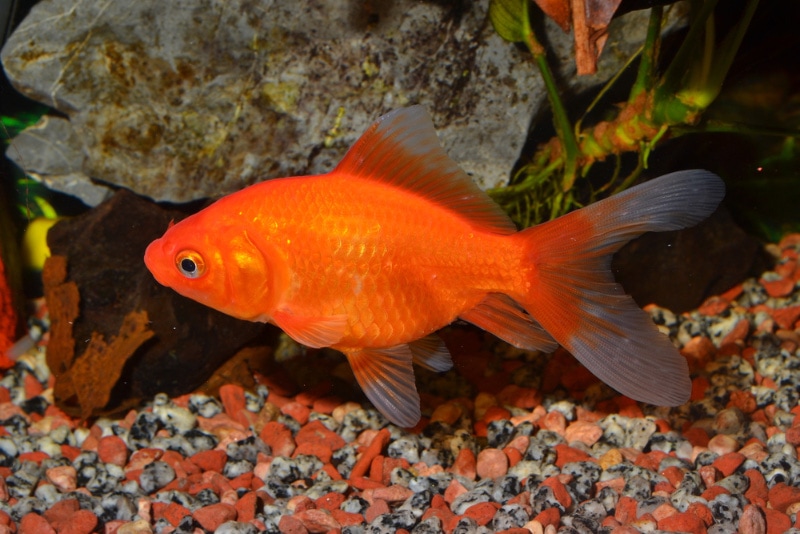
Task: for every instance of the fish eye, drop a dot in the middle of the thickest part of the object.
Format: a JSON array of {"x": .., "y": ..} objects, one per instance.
[{"x": 190, "y": 264}]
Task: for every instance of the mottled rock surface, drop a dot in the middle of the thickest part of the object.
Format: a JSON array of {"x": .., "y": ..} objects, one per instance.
[{"x": 182, "y": 100}]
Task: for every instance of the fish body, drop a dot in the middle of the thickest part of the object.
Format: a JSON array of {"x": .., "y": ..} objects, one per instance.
[{"x": 397, "y": 242}]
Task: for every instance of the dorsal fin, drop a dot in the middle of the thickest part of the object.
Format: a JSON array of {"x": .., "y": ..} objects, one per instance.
[{"x": 401, "y": 149}]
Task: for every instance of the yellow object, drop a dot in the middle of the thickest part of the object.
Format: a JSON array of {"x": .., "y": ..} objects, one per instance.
[{"x": 34, "y": 242}]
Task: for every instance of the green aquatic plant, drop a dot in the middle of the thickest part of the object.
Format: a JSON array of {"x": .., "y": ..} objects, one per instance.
[{"x": 660, "y": 104}]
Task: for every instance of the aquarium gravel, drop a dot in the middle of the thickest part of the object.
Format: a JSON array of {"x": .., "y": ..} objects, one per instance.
[{"x": 569, "y": 456}]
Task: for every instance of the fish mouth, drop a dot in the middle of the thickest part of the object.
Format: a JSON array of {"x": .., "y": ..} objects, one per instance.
[{"x": 151, "y": 254}]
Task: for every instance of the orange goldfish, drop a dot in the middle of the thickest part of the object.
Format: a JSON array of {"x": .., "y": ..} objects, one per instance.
[{"x": 396, "y": 242}]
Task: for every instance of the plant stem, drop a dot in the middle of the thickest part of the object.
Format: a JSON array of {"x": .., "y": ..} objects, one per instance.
[
  {"x": 645, "y": 75},
  {"x": 564, "y": 129}
]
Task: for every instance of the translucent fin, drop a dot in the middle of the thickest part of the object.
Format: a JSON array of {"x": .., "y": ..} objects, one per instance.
[
  {"x": 314, "y": 332},
  {"x": 401, "y": 149},
  {"x": 575, "y": 298},
  {"x": 387, "y": 378},
  {"x": 431, "y": 353},
  {"x": 501, "y": 316}
]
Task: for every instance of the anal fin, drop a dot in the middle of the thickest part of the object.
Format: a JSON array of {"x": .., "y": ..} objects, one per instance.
[
  {"x": 501, "y": 316},
  {"x": 387, "y": 378}
]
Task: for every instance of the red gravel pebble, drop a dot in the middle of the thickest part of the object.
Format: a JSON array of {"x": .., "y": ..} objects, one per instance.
[
  {"x": 454, "y": 489},
  {"x": 375, "y": 447},
  {"x": 566, "y": 454},
  {"x": 513, "y": 455},
  {"x": 212, "y": 516},
  {"x": 778, "y": 288},
  {"x": 674, "y": 474},
  {"x": 316, "y": 432},
  {"x": 465, "y": 464},
  {"x": 727, "y": 464},
  {"x": 364, "y": 483},
  {"x": 777, "y": 521},
  {"x": 316, "y": 520},
  {"x": 793, "y": 435},
  {"x": 291, "y": 525},
  {"x": 213, "y": 460},
  {"x": 520, "y": 397},
  {"x": 786, "y": 317},
  {"x": 297, "y": 411},
  {"x": 743, "y": 400},
  {"x": 34, "y": 456},
  {"x": 627, "y": 509},
  {"x": 61, "y": 511},
  {"x": 713, "y": 491},
  {"x": 650, "y": 460},
  {"x": 701, "y": 511},
  {"x": 330, "y": 501},
  {"x": 378, "y": 507},
  {"x": 555, "y": 421},
  {"x": 714, "y": 305},
  {"x": 320, "y": 450},
  {"x": 172, "y": 512},
  {"x": 583, "y": 431},
  {"x": 757, "y": 492},
  {"x": 752, "y": 520},
  {"x": 491, "y": 463},
  {"x": 391, "y": 494},
  {"x": 549, "y": 516},
  {"x": 682, "y": 522},
  {"x": 346, "y": 518},
  {"x": 246, "y": 507},
  {"x": 142, "y": 457},
  {"x": 559, "y": 491},
  {"x": 35, "y": 524},
  {"x": 482, "y": 512},
  {"x": 279, "y": 438},
  {"x": 781, "y": 496},
  {"x": 112, "y": 450},
  {"x": 64, "y": 477}
]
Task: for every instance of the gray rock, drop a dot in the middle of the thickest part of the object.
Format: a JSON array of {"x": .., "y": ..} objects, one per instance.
[
  {"x": 391, "y": 522},
  {"x": 204, "y": 405},
  {"x": 509, "y": 516},
  {"x": 181, "y": 100},
  {"x": 236, "y": 527},
  {"x": 405, "y": 447},
  {"x": 432, "y": 525},
  {"x": 156, "y": 475},
  {"x": 51, "y": 151}
]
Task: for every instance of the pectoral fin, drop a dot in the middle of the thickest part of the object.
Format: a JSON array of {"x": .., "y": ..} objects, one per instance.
[
  {"x": 314, "y": 332},
  {"x": 387, "y": 378}
]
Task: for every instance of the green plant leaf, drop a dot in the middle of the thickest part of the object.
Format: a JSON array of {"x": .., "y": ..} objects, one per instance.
[{"x": 510, "y": 19}]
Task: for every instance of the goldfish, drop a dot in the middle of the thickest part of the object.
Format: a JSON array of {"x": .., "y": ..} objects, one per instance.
[{"x": 372, "y": 258}]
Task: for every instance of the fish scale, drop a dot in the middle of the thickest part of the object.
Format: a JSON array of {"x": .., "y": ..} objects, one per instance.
[{"x": 381, "y": 280}]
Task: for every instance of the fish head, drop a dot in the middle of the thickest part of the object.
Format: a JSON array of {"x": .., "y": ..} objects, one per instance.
[{"x": 217, "y": 263}]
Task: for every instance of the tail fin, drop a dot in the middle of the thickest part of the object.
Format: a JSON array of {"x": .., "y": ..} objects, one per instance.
[{"x": 573, "y": 295}]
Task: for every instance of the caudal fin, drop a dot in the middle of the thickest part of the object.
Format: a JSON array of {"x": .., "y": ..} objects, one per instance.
[{"x": 574, "y": 297}]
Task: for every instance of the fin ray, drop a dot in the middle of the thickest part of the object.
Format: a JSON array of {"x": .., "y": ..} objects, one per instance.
[
  {"x": 387, "y": 378},
  {"x": 314, "y": 332},
  {"x": 431, "y": 353},
  {"x": 578, "y": 302},
  {"x": 501, "y": 316},
  {"x": 401, "y": 149}
]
